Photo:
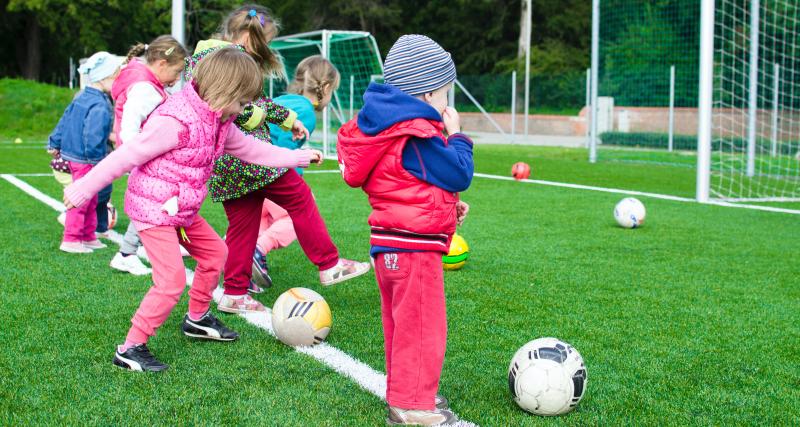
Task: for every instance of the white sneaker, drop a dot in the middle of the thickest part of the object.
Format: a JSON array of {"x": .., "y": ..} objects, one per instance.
[
  {"x": 345, "y": 269},
  {"x": 413, "y": 417},
  {"x": 94, "y": 244},
  {"x": 74, "y": 248},
  {"x": 130, "y": 264}
]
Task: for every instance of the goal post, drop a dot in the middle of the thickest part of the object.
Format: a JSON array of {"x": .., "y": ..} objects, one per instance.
[
  {"x": 354, "y": 53},
  {"x": 749, "y": 123}
]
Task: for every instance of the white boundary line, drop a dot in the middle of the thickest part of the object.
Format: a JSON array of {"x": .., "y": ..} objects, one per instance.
[
  {"x": 560, "y": 184},
  {"x": 362, "y": 374},
  {"x": 638, "y": 193}
]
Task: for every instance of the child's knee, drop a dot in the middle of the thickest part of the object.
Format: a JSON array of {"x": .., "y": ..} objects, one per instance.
[{"x": 215, "y": 261}]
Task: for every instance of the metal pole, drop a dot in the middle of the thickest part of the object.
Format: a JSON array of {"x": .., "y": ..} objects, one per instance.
[
  {"x": 451, "y": 97},
  {"x": 513, "y": 103},
  {"x": 178, "y": 27},
  {"x": 671, "y": 107},
  {"x": 71, "y": 73},
  {"x": 325, "y": 114},
  {"x": 776, "y": 78},
  {"x": 588, "y": 102},
  {"x": 179, "y": 30},
  {"x": 594, "y": 67},
  {"x": 705, "y": 98},
  {"x": 753, "y": 101},
  {"x": 352, "y": 91},
  {"x": 527, "y": 62},
  {"x": 270, "y": 87}
]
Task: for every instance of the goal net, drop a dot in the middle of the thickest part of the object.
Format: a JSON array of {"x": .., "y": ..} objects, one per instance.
[
  {"x": 354, "y": 53},
  {"x": 755, "y": 143}
]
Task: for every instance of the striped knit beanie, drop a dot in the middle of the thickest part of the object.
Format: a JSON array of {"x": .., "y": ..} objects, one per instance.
[{"x": 416, "y": 65}]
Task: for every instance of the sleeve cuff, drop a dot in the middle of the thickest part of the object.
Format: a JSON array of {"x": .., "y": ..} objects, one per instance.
[
  {"x": 289, "y": 122},
  {"x": 461, "y": 136},
  {"x": 304, "y": 158},
  {"x": 75, "y": 196},
  {"x": 255, "y": 118}
]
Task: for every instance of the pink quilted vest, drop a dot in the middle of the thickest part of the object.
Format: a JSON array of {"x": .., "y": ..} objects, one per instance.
[
  {"x": 136, "y": 71},
  {"x": 182, "y": 171}
]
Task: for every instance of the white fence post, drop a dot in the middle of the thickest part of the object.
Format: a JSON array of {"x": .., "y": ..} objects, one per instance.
[
  {"x": 527, "y": 62},
  {"x": 671, "y": 107},
  {"x": 352, "y": 91},
  {"x": 776, "y": 78},
  {"x": 513, "y": 103},
  {"x": 594, "y": 68},
  {"x": 588, "y": 104}
]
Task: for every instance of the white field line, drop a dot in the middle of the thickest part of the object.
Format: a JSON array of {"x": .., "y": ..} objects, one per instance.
[
  {"x": 639, "y": 193},
  {"x": 341, "y": 362}
]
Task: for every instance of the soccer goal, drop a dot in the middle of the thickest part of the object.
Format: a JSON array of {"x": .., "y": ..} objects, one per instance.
[
  {"x": 749, "y": 124},
  {"x": 354, "y": 53}
]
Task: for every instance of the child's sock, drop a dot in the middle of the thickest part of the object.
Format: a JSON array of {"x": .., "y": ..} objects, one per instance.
[
  {"x": 128, "y": 344},
  {"x": 197, "y": 315}
]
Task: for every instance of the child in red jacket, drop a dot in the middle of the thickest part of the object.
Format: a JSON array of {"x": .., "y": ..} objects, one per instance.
[{"x": 406, "y": 151}]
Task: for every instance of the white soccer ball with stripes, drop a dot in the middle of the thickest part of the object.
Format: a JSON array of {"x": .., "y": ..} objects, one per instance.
[
  {"x": 629, "y": 213},
  {"x": 547, "y": 377},
  {"x": 301, "y": 317}
]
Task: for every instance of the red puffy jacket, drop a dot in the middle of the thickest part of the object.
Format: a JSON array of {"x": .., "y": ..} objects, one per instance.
[{"x": 407, "y": 213}]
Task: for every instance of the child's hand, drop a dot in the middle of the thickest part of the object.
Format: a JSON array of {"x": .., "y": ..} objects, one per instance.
[
  {"x": 299, "y": 131},
  {"x": 67, "y": 203},
  {"x": 54, "y": 152},
  {"x": 461, "y": 212},
  {"x": 316, "y": 157},
  {"x": 452, "y": 122}
]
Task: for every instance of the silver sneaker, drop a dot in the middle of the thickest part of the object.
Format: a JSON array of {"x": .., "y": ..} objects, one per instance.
[{"x": 415, "y": 417}]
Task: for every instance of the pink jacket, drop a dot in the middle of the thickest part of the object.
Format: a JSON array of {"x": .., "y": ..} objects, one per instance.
[
  {"x": 173, "y": 156},
  {"x": 136, "y": 71}
]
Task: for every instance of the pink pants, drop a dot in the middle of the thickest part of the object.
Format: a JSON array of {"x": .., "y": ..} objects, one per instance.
[
  {"x": 169, "y": 274},
  {"x": 81, "y": 222},
  {"x": 414, "y": 326},
  {"x": 276, "y": 230}
]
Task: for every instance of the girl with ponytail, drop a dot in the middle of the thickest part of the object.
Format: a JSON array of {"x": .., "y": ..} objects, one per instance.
[
  {"x": 139, "y": 89},
  {"x": 242, "y": 187}
]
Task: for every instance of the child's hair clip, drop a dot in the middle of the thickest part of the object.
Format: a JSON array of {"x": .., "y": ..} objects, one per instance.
[
  {"x": 252, "y": 12},
  {"x": 169, "y": 51}
]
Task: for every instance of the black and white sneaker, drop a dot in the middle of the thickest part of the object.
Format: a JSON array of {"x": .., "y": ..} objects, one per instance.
[
  {"x": 138, "y": 358},
  {"x": 208, "y": 328}
]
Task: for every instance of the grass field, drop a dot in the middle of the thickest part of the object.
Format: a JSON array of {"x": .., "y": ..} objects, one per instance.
[{"x": 691, "y": 320}]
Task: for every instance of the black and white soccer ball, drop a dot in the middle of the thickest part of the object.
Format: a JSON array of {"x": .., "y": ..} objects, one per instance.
[{"x": 547, "y": 377}]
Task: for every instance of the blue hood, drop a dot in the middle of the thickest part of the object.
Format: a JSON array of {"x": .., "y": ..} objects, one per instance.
[{"x": 385, "y": 105}]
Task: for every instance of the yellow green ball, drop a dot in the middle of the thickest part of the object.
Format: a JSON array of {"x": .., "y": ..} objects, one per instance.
[{"x": 457, "y": 255}]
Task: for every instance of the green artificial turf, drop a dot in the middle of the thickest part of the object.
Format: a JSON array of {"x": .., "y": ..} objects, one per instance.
[{"x": 690, "y": 320}]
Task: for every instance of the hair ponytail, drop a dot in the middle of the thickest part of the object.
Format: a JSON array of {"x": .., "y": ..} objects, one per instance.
[
  {"x": 136, "y": 50},
  {"x": 257, "y": 23},
  {"x": 314, "y": 75},
  {"x": 162, "y": 47}
]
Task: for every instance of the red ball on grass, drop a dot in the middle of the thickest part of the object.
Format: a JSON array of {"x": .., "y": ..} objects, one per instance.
[{"x": 520, "y": 171}]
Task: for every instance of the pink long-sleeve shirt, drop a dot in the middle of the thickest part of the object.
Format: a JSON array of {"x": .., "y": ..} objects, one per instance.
[{"x": 161, "y": 136}]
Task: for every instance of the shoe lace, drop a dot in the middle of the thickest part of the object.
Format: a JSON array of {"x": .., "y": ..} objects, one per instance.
[{"x": 144, "y": 353}]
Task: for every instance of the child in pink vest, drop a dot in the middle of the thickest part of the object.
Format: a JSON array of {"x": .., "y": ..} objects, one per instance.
[
  {"x": 170, "y": 162},
  {"x": 138, "y": 90},
  {"x": 406, "y": 151}
]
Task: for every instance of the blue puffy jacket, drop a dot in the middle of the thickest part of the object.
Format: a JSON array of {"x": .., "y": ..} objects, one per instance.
[{"x": 82, "y": 132}]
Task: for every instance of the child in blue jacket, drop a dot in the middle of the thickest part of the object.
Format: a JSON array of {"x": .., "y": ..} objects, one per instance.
[{"x": 80, "y": 138}]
